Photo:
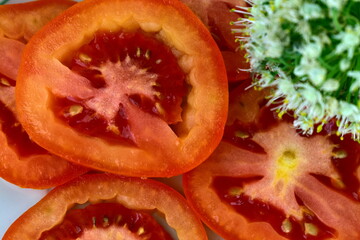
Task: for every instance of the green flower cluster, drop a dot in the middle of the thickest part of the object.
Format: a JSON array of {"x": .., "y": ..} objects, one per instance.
[
  {"x": 309, "y": 50},
  {"x": 3, "y": 2}
]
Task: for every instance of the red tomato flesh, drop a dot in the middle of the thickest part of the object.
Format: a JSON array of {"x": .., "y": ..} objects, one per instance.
[
  {"x": 112, "y": 219},
  {"x": 141, "y": 59}
]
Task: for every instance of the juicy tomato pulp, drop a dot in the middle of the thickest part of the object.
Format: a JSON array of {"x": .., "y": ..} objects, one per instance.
[
  {"x": 150, "y": 74},
  {"x": 110, "y": 219}
]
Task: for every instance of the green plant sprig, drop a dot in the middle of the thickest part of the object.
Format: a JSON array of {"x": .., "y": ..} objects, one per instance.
[
  {"x": 310, "y": 52},
  {"x": 3, "y": 2}
]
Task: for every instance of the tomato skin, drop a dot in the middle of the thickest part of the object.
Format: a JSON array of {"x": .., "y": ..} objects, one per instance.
[
  {"x": 160, "y": 151},
  {"x": 133, "y": 193},
  {"x": 23, "y": 162}
]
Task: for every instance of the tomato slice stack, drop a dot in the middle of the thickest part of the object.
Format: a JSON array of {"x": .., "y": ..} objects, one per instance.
[
  {"x": 266, "y": 181},
  {"x": 23, "y": 162}
]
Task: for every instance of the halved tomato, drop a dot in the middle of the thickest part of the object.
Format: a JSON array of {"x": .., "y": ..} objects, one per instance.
[
  {"x": 131, "y": 87},
  {"x": 218, "y": 17},
  {"x": 104, "y": 206},
  {"x": 266, "y": 181},
  {"x": 22, "y": 162}
]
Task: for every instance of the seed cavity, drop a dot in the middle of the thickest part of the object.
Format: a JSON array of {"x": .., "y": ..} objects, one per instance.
[
  {"x": 311, "y": 229},
  {"x": 286, "y": 226}
]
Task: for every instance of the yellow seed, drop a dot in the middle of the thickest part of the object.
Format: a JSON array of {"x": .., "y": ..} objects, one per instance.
[
  {"x": 241, "y": 134},
  {"x": 159, "y": 108},
  {"x": 118, "y": 219},
  {"x": 338, "y": 183},
  {"x": 235, "y": 191},
  {"x": 5, "y": 82},
  {"x": 75, "y": 110},
  {"x": 106, "y": 222},
  {"x": 113, "y": 128},
  {"x": 339, "y": 154},
  {"x": 158, "y": 61},
  {"x": 138, "y": 52},
  {"x": 147, "y": 54},
  {"x": 140, "y": 231},
  {"x": 286, "y": 226},
  {"x": 84, "y": 58},
  {"x": 311, "y": 229},
  {"x": 94, "y": 222}
]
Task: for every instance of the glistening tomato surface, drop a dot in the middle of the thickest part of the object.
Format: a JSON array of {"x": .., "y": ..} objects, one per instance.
[
  {"x": 265, "y": 181},
  {"x": 131, "y": 87},
  {"x": 22, "y": 162},
  {"x": 103, "y": 206}
]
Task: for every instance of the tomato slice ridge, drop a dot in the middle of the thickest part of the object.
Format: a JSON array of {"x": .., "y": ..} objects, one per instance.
[
  {"x": 230, "y": 190},
  {"x": 125, "y": 69},
  {"x": 107, "y": 218}
]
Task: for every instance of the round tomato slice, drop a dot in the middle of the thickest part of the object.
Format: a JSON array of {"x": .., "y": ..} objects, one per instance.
[
  {"x": 217, "y": 16},
  {"x": 104, "y": 206},
  {"x": 288, "y": 187},
  {"x": 22, "y": 162},
  {"x": 131, "y": 87}
]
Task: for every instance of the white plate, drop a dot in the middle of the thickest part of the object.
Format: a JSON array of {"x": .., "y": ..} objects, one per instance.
[{"x": 14, "y": 200}]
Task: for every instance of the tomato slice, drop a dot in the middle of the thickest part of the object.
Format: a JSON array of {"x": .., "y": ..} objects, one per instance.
[
  {"x": 23, "y": 162},
  {"x": 217, "y": 16},
  {"x": 294, "y": 187},
  {"x": 125, "y": 88},
  {"x": 98, "y": 205}
]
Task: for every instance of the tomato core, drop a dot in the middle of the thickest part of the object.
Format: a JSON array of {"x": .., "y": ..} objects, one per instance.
[
  {"x": 229, "y": 190},
  {"x": 105, "y": 219},
  {"x": 125, "y": 69}
]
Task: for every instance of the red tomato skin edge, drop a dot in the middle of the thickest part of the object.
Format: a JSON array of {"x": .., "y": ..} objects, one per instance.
[
  {"x": 128, "y": 191},
  {"x": 201, "y": 214}
]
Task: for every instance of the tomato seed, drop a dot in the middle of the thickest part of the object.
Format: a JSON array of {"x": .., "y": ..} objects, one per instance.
[
  {"x": 286, "y": 226},
  {"x": 311, "y": 229},
  {"x": 140, "y": 231},
  {"x": 5, "y": 82},
  {"x": 84, "y": 58}
]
